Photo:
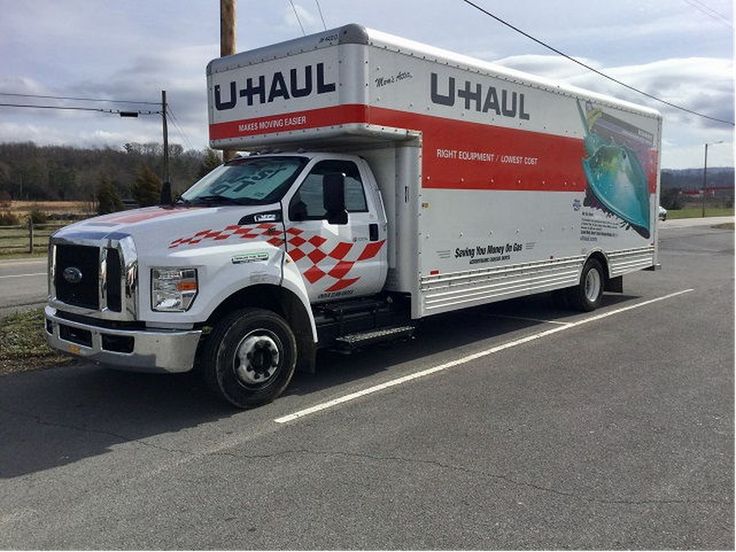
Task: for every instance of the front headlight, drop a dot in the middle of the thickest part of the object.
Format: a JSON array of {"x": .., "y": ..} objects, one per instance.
[{"x": 173, "y": 289}]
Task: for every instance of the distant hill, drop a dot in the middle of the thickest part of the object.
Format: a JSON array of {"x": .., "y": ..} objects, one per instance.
[{"x": 692, "y": 179}]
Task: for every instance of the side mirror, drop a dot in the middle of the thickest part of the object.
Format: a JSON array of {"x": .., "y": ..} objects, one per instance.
[{"x": 333, "y": 193}]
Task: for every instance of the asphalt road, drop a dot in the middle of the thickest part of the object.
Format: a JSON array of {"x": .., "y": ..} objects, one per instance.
[
  {"x": 22, "y": 284},
  {"x": 538, "y": 429}
]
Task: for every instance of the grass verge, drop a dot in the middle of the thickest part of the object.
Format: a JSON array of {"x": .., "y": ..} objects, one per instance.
[
  {"x": 697, "y": 212},
  {"x": 23, "y": 343}
]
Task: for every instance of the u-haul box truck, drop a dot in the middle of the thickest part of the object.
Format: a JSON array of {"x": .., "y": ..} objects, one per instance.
[{"x": 384, "y": 181}]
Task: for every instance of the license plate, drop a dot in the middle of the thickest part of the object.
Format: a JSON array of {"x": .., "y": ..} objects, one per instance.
[{"x": 74, "y": 349}]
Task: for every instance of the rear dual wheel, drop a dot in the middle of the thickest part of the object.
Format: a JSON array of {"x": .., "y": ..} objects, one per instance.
[
  {"x": 250, "y": 357},
  {"x": 588, "y": 294}
]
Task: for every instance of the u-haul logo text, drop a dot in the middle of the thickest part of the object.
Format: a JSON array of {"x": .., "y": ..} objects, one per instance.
[
  {"x": 481, "y": 98},
  {"x": 295, "y": 83}
]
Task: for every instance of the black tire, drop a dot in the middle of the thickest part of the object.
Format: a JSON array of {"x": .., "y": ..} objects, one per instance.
[
  {"x": 588, "y": 294},
  {"x": 249, "y": 357}
]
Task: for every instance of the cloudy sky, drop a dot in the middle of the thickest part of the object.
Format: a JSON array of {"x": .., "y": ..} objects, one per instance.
[{"x": 679, "y": 50}]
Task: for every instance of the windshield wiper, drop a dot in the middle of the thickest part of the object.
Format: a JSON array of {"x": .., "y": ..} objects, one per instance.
[{"x": 218, "y": 199}]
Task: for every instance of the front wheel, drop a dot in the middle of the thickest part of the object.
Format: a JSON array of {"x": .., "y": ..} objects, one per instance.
[
  {"x": 250, "y": 357},
  {"x": 588, "y": 294}
]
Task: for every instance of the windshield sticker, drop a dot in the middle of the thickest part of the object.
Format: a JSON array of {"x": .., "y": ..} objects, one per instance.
[{"x": 245, "y": 180}]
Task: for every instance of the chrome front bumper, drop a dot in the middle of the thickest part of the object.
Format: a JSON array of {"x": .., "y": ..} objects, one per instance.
[{"x": 135, "y": 350}]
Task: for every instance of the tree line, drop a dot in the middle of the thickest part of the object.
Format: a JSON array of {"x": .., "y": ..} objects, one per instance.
[
  {"x": 692, "y": 179},
  {"x": 48, "y": 173}
]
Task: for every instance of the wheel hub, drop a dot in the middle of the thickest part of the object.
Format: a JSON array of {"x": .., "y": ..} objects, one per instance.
[
  {"x": 592, "y": 285},
  {"x": 257, "y": 358}
]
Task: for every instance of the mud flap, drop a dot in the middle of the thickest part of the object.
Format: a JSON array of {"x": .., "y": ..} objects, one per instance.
[{"x": 615, "y": 285}]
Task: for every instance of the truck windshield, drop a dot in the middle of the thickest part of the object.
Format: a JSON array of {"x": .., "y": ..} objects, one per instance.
[{"x": 249, "y": 181}]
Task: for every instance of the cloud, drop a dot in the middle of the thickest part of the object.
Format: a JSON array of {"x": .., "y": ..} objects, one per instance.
[
  {"x": 51, "y": 135},
  {"x": 133, "y": 50},
  {"x": 688, "y": 156},
  {"x": 21, "y": 85},
  {"x": 179, "y": 70},
  {"x": 701, "y": 84},
  {"x": 550, "y": 66},
  {"x": 652, "y": 23}
]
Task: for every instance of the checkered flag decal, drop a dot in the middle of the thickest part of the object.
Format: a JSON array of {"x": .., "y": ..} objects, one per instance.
[{"x": 315, "y": 257}]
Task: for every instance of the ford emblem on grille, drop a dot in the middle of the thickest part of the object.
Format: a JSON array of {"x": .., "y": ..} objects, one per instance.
[{"x": 72, "y": 275}]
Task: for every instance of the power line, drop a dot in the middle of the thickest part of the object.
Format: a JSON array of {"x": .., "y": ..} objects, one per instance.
[
  {"x": 710, "y": 12},
  {"x": 99, "y": 110},
  {"x": 180, "y": 130},
  {"x": 183, "y": 134},
  {"x": 594, "y": 70},
  {"x": 78, "y": 108},
  {"x": 711, "y": 9},
  {"x": 293, "y": 7},
  {"x": 322, "y": 17},
  {"x": 75, "y": 98},
  {"x": 74, "y": 108}
]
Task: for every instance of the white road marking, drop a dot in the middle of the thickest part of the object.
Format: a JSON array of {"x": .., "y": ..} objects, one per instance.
[
  {"x": 23, "y": 275},
  {"x": 468, "y": 358}
]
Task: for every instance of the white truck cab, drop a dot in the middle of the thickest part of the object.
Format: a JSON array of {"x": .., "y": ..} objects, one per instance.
[
  {"x": 393, "y": 181},
  {"x": 257, "y": 229}
]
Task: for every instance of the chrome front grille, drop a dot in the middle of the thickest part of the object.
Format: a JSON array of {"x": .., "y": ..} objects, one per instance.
[
  {"x": 77, "y": 275},
  {"x": 94, "y": 274}
]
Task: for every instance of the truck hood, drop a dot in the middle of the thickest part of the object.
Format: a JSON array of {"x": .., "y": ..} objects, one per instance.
[{"x": 182, "y": 227}]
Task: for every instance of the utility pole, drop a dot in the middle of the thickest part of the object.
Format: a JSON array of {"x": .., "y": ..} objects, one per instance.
[
  {"x": 166, "y": 137},
  {"x": 227, "y": 45},
  {"x": 705, "y": 174},
  {"x": 705, "y": 179}
]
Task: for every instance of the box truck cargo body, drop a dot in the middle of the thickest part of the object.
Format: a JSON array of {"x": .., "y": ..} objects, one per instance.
[{"x": 385, "y": 181}]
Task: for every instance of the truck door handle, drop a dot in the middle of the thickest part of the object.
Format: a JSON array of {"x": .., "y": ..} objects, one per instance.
[{"x": 373, "y": 232}]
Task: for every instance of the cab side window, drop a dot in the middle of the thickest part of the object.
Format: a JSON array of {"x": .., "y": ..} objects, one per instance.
[{"x": 308, "y": 204}]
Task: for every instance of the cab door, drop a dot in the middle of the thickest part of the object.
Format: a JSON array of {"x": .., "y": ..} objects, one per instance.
[{"x": 337, "y": 260}]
